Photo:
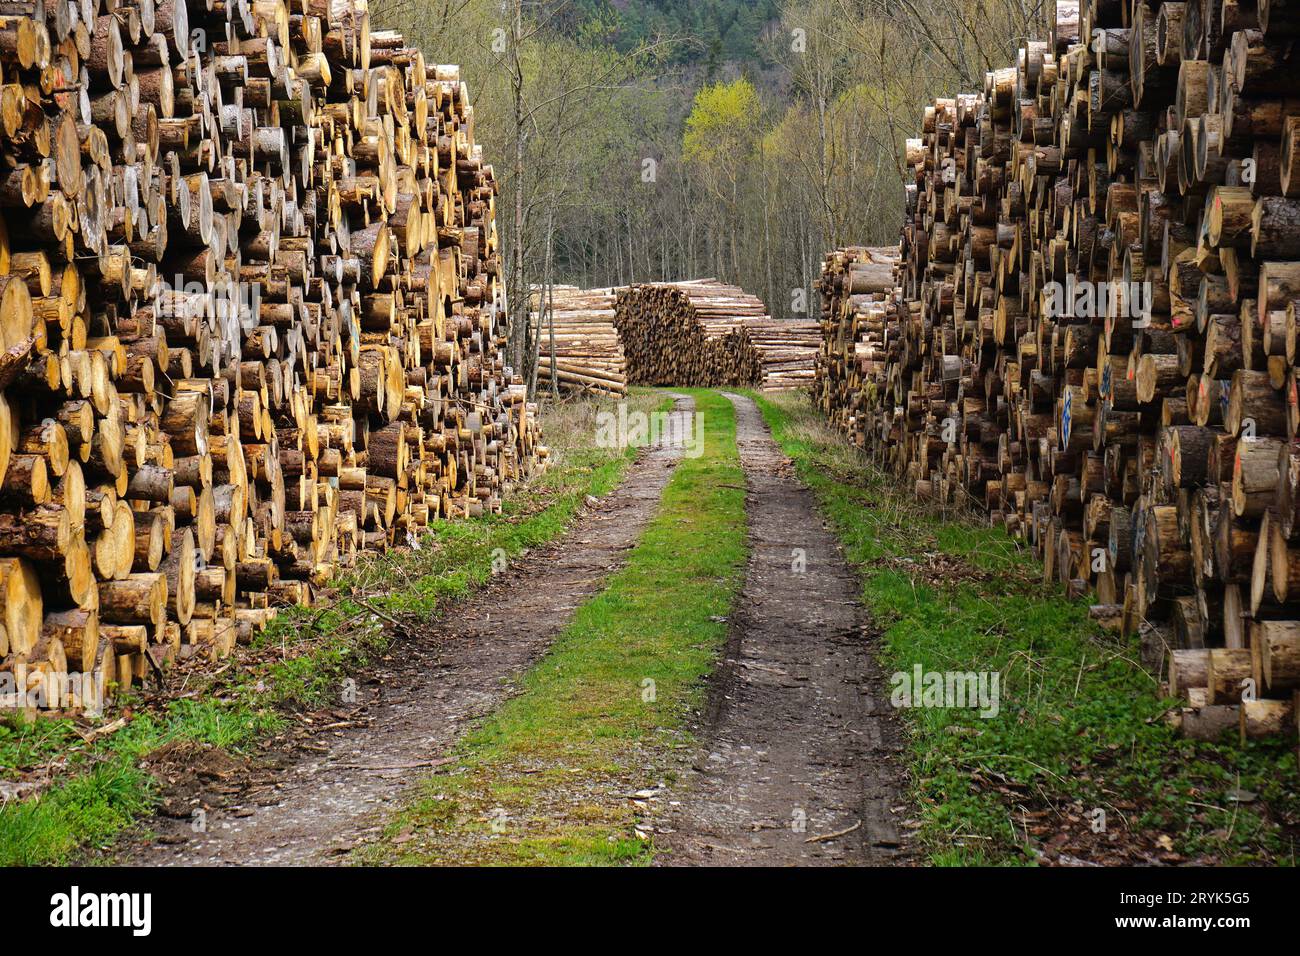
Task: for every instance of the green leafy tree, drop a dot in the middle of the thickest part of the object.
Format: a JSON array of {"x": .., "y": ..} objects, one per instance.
[{"x": 721, "y": 132}]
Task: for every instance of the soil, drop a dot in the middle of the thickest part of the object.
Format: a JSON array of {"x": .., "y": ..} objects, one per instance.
[
  {"x": 317, "y": 794},
  {"x": 800, "y": 760}
]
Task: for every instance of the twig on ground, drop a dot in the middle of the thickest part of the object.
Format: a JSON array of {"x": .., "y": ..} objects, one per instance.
[
  {"x": 402, "y": 628},
  {"x": 827, "y": 837},
  {"x": 397, "y": 766}
]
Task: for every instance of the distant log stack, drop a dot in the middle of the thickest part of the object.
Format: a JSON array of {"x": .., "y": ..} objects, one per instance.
[
  {"x": 1096, "y": 333},
  {"x": 249, "y": 324},
  {"x": 706, "y": 334},
  {"x": 588, "y": 355},
  {"x": 688, "y": 334},
  {"x": 787, "y": 352}
]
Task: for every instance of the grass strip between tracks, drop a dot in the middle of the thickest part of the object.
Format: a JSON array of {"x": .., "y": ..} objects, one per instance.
[{"x": 553, "y": 777}]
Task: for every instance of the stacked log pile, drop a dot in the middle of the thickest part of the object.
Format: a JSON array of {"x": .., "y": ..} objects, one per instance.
[
  {"x": 588, "y": 356},
  {"x": 688, "y": 334},
  {"x": 248, "y": 321},
  {"x": 705, "y": 334},
  {"x": 1096, "y": 334},
  {"x": 857, "y": 286},
  {"x": 787, "y": 352}
]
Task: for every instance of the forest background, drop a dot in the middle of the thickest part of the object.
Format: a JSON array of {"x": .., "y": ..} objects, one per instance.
[{"x": 645, "y": 140}]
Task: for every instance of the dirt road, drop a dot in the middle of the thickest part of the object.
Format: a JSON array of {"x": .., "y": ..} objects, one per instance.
[
  {"x": 315, "y": 800},
  {"x": 799, "y": 759}
]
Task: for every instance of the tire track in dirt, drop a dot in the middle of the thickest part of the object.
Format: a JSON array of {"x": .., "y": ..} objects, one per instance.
[
  {"x": 312, "y": 802},
  {"x": 799, "y": 761}
]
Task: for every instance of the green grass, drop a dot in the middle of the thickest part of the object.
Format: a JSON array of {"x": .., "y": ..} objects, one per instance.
[
  {"x": 105, "y": 788},
  {"x": 547, "y": 779},
  {"x": 298, "y": 663},
  {"x": 1080, "y": 726}
]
